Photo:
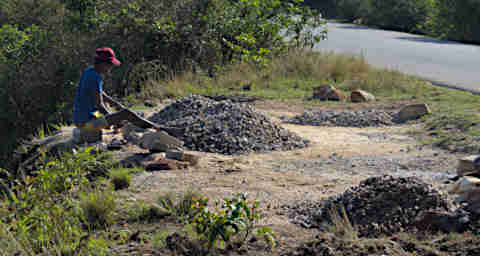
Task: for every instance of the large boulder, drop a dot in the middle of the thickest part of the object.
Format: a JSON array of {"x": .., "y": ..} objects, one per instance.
[
  {"x": 328, "y": 92},
  {"x": 361, "y": 96},
  {"x": 468, "y": 165},
  {"x": 412, "y": 112}
]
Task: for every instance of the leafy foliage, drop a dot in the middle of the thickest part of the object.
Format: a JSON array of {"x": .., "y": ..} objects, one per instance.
[
  {"x": 456, "y": 20},
  {"x": 44, "y": 213},
  {"x": 236, "y": 216}
]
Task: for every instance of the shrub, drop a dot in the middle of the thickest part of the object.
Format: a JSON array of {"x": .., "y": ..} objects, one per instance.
[
  {"x": 353, "y": 9},
  {"x": 404, "y": 15},
  {"x": 455, "y": 20}
]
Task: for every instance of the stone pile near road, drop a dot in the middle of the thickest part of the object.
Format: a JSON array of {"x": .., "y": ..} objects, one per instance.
[
  {"x": 377, "y": 206},
  {"x": 363, "y": 118},
  {"x": 225, "y": 127}
]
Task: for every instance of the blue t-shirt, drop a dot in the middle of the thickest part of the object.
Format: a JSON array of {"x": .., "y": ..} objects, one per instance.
[{"x": 90, "y": 83}]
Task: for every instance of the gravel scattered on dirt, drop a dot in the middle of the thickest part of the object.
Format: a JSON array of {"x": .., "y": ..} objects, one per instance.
[
  {"x": 225, "y": 127},
  {"x": 378, "y": 206},
  {"x": 362, "y": 118}
]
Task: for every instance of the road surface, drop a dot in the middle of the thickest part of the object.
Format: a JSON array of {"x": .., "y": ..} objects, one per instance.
[{"x": 444, "y": 63}]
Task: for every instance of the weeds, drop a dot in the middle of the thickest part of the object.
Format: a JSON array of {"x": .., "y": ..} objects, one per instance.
[
  {"x": 98, "y": 208},
  {"x": 120, "y": 178},
  {"x": 341, "y": 225},
  {"x": 182, "y": 208}
]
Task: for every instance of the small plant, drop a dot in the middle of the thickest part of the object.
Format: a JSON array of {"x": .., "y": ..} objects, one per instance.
[
  {"x": 181, "y": 209},
  {"x": 341, "y": 225},
  {"x": 158, "y": 240},
  {"x": 236, "y": 218},
  {"x": 98, "y": 208},
  {"x": 120, "y": 178}
]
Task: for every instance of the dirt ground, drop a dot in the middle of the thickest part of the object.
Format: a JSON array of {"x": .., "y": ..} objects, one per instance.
[{"x": 338, "y": 158}]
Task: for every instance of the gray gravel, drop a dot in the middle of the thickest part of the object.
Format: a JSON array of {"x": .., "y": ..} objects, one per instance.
[
  {"x": 225, "y": 127},
  {"x": 363, "y": 118},
  {"x": 378, "y": 206}
]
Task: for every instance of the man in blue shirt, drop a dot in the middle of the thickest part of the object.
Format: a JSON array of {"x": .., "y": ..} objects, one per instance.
[{"x": 90, "y": 113}]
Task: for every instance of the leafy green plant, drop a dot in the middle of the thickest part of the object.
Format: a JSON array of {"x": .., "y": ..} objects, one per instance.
[{"x": 236, "y": 218}]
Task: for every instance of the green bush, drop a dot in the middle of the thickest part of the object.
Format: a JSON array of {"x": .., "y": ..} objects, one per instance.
[
  {"x": 404, "y": 15},
  {"x": 352, "y": 10},
  {"x": 455, "y": 20}
]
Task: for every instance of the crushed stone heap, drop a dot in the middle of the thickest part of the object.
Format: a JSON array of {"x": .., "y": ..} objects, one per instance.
[
  {"x": 225, "y": 127},
  {"x": 377, "y": 206},
  {"x": 363, "y": 118}
]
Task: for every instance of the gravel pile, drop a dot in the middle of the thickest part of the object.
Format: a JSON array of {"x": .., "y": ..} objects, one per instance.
[
  {"x": 225, "y": 127},
  {"x": 364, "y": 118},
  {"x": 378, "y": 206}
]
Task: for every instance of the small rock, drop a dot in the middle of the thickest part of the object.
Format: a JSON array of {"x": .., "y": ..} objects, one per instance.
[
  {"x": 190, "y": 157},
  {"x": 165, "y": 165},
  {"x": 468, "y": 189},
  {"x": 361, "y": 96}
]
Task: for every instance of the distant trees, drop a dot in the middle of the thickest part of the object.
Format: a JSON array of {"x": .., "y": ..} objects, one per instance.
[{"x": 446, "y": 19}]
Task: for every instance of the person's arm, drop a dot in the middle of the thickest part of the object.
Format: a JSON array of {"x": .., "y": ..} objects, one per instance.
[
  {"x": 100, "y": 105},
  {"x": 98, "y": 91}
]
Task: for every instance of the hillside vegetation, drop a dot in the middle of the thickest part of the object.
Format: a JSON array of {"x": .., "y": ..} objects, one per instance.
[
  {"x": 45, "y": 45},
  {"x": 445, "y": 19}
]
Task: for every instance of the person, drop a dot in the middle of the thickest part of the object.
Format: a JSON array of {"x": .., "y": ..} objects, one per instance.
[{"x": 90, "y": 114}]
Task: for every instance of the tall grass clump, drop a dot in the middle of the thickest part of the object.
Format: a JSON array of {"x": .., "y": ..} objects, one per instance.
[
  {"x": 120, "y": 178},
  {"x": 98, "y": 208}
]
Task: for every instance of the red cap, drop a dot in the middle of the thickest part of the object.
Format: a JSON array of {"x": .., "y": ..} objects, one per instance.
[{"x": 107, "y": 55}]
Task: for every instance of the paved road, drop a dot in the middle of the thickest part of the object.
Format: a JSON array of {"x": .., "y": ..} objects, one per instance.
[{"x": 443, "y": 62}]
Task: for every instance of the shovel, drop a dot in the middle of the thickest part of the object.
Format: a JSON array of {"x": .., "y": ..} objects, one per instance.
[{"x": 141, "y": 122}]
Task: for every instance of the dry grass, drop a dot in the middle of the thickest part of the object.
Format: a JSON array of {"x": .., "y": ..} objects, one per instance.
[
  {"x": 341, "y": 225},
  {"x": 292, "y": 77}
]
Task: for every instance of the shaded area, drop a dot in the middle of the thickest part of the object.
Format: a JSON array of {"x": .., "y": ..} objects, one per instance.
[{"x": 427, "y": 40}]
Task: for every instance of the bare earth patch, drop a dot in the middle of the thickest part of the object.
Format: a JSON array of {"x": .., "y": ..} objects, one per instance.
[{"x": 338, "y": 158}]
